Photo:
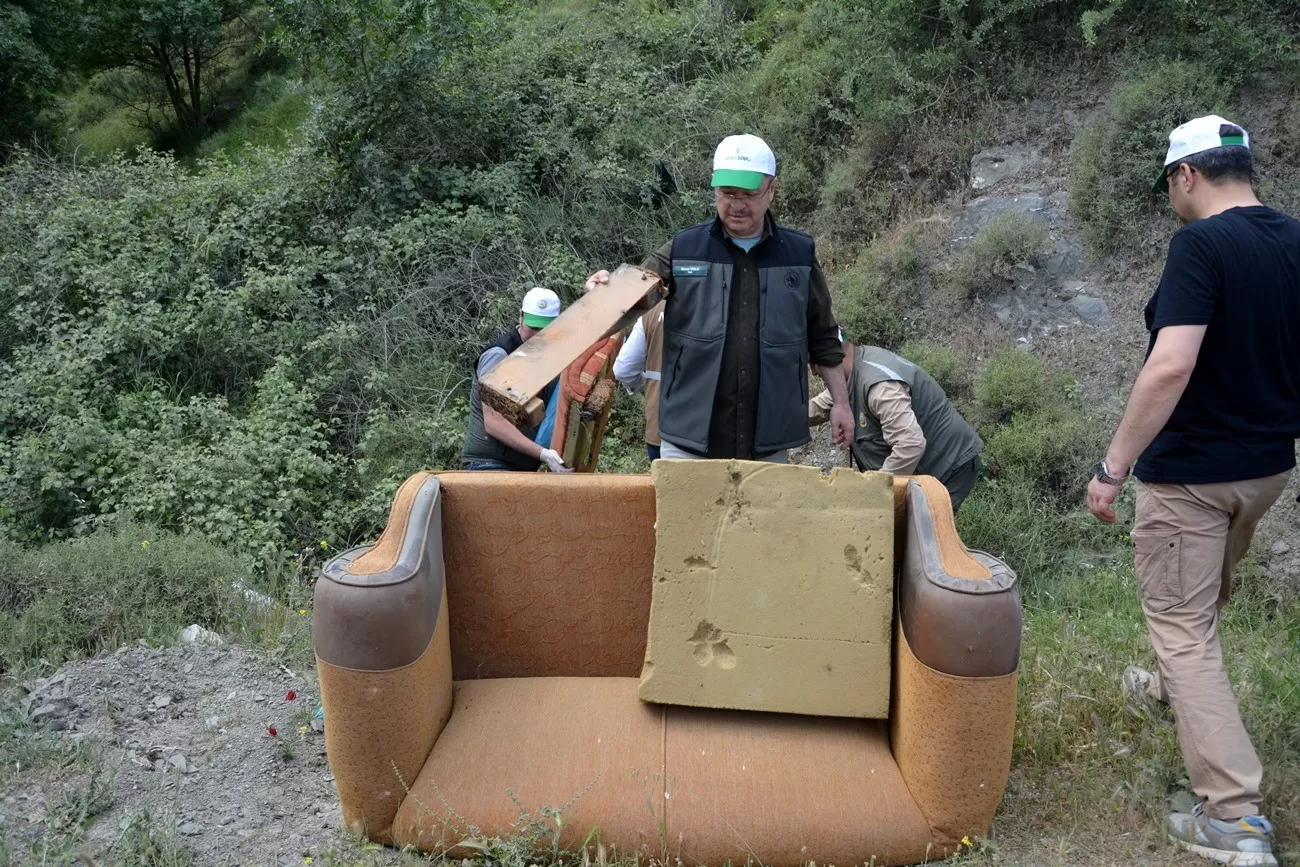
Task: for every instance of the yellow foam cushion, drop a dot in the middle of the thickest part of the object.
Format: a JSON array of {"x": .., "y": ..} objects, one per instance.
[{"x": 773, "y": 589}]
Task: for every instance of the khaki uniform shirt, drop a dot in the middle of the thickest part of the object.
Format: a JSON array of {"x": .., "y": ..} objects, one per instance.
[{"x": 891, "y": 403}]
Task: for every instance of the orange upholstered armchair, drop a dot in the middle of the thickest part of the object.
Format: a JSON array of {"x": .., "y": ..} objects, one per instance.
[{"x": 484, "y": 655}]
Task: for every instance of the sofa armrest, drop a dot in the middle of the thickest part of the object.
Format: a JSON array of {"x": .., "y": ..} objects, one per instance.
[
  {"x": 383, "y": 656},
  {"x": 956, "y": 657}
]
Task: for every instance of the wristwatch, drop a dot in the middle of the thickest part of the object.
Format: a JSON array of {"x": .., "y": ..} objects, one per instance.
[{"x": 1103, "y": 473}]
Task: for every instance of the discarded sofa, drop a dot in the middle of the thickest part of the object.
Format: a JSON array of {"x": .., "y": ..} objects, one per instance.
[{"x": 483, "y": 658}]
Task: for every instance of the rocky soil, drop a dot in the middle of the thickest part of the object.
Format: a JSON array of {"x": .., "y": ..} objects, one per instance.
[{"x": 215, "y": 743}]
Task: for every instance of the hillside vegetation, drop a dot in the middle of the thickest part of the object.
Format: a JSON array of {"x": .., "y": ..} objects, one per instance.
[{"x": 236, "y": 322}]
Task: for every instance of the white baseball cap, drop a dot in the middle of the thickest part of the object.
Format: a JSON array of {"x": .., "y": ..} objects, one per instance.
[
  {"x": 1201, "y": 134},
  {"x": 540, "y": 307},
  {"x": 742, "y": 161}
]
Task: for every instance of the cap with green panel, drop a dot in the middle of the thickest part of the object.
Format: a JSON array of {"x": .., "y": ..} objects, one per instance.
[
  {"x": 1202, "y": 134},
  {"x": 540, "y": 307},
  {"x": 742, "y": 161}
]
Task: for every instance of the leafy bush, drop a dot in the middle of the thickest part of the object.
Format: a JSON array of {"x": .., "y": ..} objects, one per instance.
[
  {"x": 1050, "y": 448},
  {"x": 128, "y": 581},
  {"x": 1117, "y": 158},
  {"x": 949, "y": 369},
  {"x": 26, "y": 75},
  {"x": 1012, "y": 383},
  {"x": 151, "y": 315},
  {"x": 1034, "y": 432},
  {"x": 988, "y": 264},
  {"x": 1232, "y": 38},
  {"x": 271, "y": 119},
  {"x": 871, "y": 297}
]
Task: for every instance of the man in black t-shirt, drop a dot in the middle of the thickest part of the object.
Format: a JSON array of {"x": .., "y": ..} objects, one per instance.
[{"x": 1211, "y": 422}]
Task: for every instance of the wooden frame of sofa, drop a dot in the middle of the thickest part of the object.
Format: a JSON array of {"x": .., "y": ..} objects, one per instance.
[{"x": 386, "y": 625}]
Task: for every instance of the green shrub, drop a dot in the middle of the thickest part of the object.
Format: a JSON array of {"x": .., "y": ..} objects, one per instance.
[
  {"x": 26, "y": 75},
  {"x": 849, "y": 206},
  {"x": 271, "y": 119},
  {"x": 1050, "y": 448},
  {"x": 1117, "y": 158},
  {"x": 949, "y": 369},
  {"x": 872, "y": 296},
  {"x": 126, "y": 582},
  {"x": 115, "y": 131},
  {"x": 1233, "y": 39},
  {"x": 623, "y": 449},
  {"x": 1012, "y": 383},
  {"x": 989, "y": 264}
]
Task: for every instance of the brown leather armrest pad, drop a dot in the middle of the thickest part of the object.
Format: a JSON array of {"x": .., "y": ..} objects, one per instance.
[
  {"x": 960, "y": 610},
  {"x": 380, "y": 615}
]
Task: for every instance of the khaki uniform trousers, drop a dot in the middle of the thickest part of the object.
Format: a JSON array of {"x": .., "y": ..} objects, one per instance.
[{"x": 1186, "y": 540}]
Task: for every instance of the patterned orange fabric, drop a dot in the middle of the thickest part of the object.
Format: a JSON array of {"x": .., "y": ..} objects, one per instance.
[
  {"x": 548, "y": 578},
  {"x": 578, "y": 379}
]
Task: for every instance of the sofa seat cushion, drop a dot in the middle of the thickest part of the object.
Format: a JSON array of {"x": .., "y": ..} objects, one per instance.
[
  {"x": 583, "y": 745},
  {"x": 704, "y": 785},
  {"x": 787, "y": 789}
]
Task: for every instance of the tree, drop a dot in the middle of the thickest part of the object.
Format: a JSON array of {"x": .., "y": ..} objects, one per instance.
[
  {"x": 26, "y": 74},
  {"x": 180, "y": 42}
]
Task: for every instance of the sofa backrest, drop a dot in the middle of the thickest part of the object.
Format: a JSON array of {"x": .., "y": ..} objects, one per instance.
[
  {"x": 550, "y": 575},
  {"x": 547, "y": 575}
]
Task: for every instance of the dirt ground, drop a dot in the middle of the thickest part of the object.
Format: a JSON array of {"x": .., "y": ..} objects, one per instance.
[{"x": 185, "y": 733}]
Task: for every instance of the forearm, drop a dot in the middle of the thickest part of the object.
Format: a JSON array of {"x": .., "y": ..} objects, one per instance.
[
  {"x": 819, "y": 409},
  {"x": 891, "y": 403},
  {"x": 833, "y": 376},
  {"x": 1155, "y": 394},
  {"x": 503, "y": 431}
]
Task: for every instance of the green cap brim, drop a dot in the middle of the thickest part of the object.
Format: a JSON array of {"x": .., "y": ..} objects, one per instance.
[
  {"x": 737, "y": 178},
  {"x": 1161, "y": 186},
  {"x": 532, "y": 320}
]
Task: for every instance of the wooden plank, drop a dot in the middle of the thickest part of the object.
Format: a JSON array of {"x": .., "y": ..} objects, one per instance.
[{"x": 512, "y": 385}]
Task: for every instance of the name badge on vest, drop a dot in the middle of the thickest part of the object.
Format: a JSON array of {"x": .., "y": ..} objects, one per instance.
[{"x": 690, "y": 270}]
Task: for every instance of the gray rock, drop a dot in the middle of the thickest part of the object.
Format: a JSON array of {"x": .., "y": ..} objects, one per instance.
[
  {"x": 1279, "y": 548},
  {"x": 1091, "y": 310},
  {"x": 994, "y": 165},
  {"x": 180, "y": 763},
  {"x": 44, "y": 712},
  {"x": 1063, "y": 264},
  {"x": 195, "y": 634},
  {"x": 162, "y": 701},
  {"x": 979, "y": 213},
  {"x": 190, "y": 829}
]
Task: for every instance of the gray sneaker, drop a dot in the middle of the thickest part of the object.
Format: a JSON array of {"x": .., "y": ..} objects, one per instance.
[
  {"x": 1138, "y": 700},
  {"x": 1245, "y": 842}
]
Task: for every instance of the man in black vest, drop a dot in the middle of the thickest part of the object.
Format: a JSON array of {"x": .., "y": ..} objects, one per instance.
[
  {"x": 747, "y": 310},
  {"x": 905, "y": 424},
  {"x": 492, "y": 442}
]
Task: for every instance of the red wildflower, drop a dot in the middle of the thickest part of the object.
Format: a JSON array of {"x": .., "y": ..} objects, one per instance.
[
  {"x": 270, "y": 730},
  {"x": 290, "y": 695}
]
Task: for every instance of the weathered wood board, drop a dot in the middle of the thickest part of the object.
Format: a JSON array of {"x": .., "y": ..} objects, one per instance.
[{"x": 512, "y": 387}]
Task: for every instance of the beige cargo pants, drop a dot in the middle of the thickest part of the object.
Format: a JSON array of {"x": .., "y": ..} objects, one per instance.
[{"x": 1186, "y": 540}]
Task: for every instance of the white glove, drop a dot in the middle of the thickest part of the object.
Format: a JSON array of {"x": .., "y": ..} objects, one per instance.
[{"x": 552, "y": 459}]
